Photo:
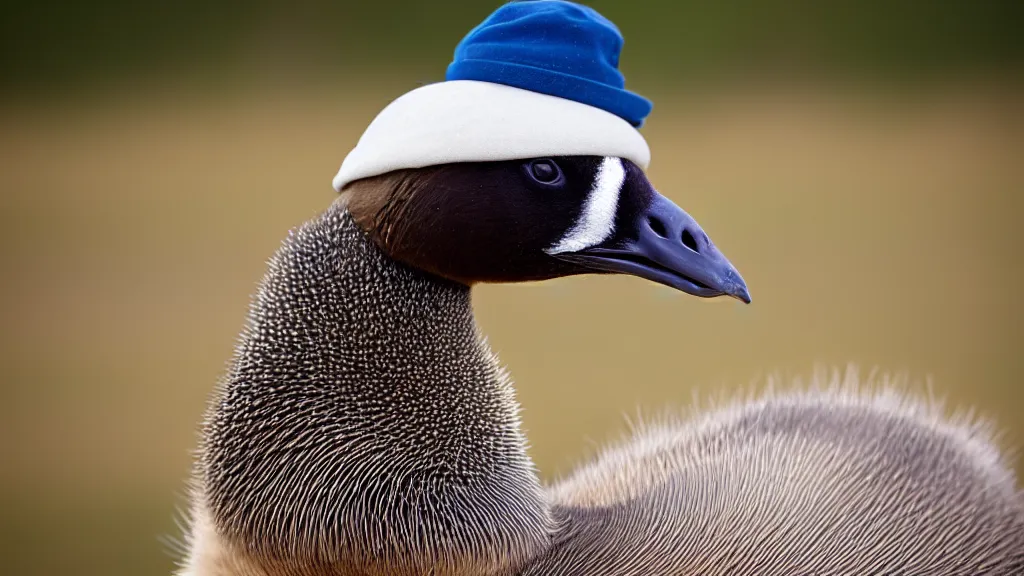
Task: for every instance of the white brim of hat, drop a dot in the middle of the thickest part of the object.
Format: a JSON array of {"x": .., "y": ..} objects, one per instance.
[{"x": 471, "y": 121}]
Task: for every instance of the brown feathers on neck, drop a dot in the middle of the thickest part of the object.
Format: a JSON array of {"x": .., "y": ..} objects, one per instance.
[
  {"x": 387, "y": 208},
  {"x": 381, "y": 206}
]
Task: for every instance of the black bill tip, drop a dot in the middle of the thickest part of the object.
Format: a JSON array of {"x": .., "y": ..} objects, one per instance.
[{"x": 735, "y": 286}]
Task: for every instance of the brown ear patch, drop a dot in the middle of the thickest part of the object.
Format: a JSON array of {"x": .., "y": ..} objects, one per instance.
[
  {"x": 380, "y": 205},
  {"x": 393, "y": 210},
  {"x": 468, "y": 223}
]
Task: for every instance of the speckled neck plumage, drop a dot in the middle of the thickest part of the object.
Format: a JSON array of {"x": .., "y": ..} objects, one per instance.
[{"x": 365, "y": 427}]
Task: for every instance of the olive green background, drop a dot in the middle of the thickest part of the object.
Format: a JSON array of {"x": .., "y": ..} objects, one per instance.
[{"x": 862, "y": 163}]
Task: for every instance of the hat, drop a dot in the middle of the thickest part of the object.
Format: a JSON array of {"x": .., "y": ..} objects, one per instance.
[{"x": 536, "y": 78}]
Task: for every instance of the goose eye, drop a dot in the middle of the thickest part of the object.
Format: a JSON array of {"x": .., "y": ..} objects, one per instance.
[{"x": 545, "y": 172}]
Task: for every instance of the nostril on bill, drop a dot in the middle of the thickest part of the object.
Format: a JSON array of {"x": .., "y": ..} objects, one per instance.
[
  {"x": 657, "y": 226},
  {"x": 689, "y": 241}
]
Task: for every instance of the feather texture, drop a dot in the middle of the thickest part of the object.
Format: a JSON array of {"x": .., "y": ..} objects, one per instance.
[{"x": 365, "y": 428}]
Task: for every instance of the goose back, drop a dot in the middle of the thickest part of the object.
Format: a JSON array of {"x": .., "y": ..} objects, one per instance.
[{"x": 833, "y": 481}]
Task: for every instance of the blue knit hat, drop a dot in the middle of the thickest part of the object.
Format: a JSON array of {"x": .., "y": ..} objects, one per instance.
[
  {"x": 536, "y": 78},
  {"x": 552, "y": 47}
]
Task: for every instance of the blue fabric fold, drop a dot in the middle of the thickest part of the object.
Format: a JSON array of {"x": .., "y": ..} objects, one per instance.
[{"x": 551, "y": 47}]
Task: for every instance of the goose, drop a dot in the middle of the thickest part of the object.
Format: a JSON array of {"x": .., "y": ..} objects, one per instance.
[{"x": 366, "y": 428}]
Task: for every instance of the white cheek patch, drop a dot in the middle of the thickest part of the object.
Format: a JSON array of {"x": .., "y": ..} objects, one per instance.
[{"x": 597, "y": 221}]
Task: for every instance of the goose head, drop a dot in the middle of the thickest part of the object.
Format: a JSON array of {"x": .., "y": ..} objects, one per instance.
[
  {"x": 526, "y": 163},
  {"x": 540, "y": 218}
]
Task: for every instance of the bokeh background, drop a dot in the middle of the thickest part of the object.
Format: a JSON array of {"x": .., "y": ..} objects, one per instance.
[{"x": 861, "y": 162}]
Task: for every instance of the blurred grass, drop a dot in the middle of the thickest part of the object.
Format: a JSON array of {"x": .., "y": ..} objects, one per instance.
[
  {"x": 65, "y": 45},
  {"x": 119, "y": 537},
  {"x": 874, "y": 227}
]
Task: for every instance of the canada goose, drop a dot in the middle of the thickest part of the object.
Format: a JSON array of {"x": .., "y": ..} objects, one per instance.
[{"x": 365, "y": 428}]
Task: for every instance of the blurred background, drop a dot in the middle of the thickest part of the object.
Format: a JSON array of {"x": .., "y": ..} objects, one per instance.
[{"x": 861, "y": 162}]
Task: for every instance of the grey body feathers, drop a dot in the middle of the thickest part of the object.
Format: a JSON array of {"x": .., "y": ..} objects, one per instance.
[
  {"x": 830, "y": 482},
  {"x": 365, "y": 428}
]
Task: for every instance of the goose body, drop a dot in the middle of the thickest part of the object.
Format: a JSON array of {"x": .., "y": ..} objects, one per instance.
[
  {"x": 365, "y": 428},
  {"x": 839, "y": 480}
]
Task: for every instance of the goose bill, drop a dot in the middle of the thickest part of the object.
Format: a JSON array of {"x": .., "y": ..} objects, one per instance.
[{"x": 664, "y": 244}]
